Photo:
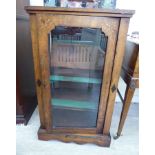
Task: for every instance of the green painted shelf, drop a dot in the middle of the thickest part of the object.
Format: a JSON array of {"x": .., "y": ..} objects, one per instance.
[
  {"x": 90, "y": 43},
  {"x": 75, "y": 79},
  {"x": 74, "y": 104}
]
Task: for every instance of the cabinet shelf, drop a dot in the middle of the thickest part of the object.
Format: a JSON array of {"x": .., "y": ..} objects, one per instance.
[
  {"x": 75, "y": 79},
  {"x": 84, "y": 105}
]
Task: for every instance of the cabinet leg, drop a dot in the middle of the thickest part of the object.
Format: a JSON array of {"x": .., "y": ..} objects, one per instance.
[{"x": 126, "y": 105}]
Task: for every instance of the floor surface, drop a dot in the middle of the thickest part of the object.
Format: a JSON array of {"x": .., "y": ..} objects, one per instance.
[{"x": 28, "y": 144}]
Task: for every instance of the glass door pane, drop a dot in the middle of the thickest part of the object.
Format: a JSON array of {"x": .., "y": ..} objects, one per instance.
[{"x": 76, "y": 66}]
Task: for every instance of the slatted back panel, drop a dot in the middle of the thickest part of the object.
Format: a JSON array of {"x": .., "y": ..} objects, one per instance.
[{"x": 74, "y": 56}]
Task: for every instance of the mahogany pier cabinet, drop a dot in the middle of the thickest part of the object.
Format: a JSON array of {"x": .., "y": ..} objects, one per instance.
[{"x": 77, "y": 54}]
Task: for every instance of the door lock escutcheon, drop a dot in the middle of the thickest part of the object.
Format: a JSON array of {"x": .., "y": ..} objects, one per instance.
[
  {"x": 113, "y": 88},
  {"x": 39, "y": 82}
]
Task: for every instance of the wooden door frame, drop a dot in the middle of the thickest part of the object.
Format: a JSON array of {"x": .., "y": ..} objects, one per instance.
[
  {"x": 120, "y": 50},
  {"x": 47, "y": 22}
]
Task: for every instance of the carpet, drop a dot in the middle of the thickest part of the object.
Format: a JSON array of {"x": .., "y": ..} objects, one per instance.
[{"x": 27, "y": 142}]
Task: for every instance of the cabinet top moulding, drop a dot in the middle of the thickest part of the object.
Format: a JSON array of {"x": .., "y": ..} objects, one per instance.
[{"x": 80, "y": 11}]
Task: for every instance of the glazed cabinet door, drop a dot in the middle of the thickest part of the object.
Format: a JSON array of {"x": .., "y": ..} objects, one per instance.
[{"x": 76, "y": 56}]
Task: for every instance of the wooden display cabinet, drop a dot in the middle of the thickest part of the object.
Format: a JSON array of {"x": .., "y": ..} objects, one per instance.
[{"x": 77, "y": 55}]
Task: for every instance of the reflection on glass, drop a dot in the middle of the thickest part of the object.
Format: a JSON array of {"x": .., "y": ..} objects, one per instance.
[{"x": 76, "y": 64}]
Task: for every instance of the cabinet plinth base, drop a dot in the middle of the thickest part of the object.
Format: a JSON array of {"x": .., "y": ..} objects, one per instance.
[{"x": 98, "y": 139}]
